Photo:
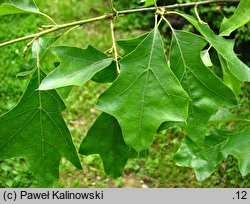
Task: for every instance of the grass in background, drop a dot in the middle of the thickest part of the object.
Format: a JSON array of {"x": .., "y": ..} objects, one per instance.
[{"x": 155, "y": 170}]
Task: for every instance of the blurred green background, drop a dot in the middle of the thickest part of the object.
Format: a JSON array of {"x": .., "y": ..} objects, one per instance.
[{"x": 155, "y": 170}]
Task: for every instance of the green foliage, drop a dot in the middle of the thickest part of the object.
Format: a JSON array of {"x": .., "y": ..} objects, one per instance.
[
  {"x": 206, "y": 91},
  {"x": 225, "y": 49},
  {"x": 216, "y": 148},
  {"x": 224, "y": 115},
  {"x": 240, "y": 17},
  {"x": 17, "y": 6},
  {"x": 129, "y": 45},
  {"x": 142, "y": 78},
  {"x": 35, "y": 130},
  {"x": 113, "y": 150},
  {"x": 76, "y": 68},
  {"x": 202, "y": 159},
  {"x": 107, "y": 75},
  {"x": 144, "y": 94},
  {"x": 228, "y": 78},
  {"x": 238, "y": 145}
]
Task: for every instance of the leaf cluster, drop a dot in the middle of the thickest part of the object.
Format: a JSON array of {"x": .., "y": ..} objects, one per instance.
[{"x": 148, "y": 92}]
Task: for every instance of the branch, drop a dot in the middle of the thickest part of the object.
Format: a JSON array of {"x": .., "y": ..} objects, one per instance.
[
  {"x": 174, "y": 6},
  {"x": 111, "y": 15},
  {"x": 56, "y": 28}
]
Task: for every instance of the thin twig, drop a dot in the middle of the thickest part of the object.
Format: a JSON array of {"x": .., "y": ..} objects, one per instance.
[
  {"x": 48, "y": 17},
  {"x": 163, "y": 17},
  {"x": 68, "y": 31},
  {"x": 174, "y": 6},
  {"x": 38, "y": 62},
  {"x": 155, "y": 4},
  {"x": 114, "y": 45},
  {"x": 47, "y": 26},
  {"x": 111, "y": 5},
  {"x": 27, "y": 47},
  {"x": 156, "y": 21},
  {"x": 111, "y": 15},
  {"x": 198, "y": 16},
  {"x": 56, "y": 28}
]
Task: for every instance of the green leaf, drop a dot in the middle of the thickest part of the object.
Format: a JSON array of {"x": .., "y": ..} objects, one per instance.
[
  {"x": 202, "y": 159},
  {"x": 205, "y": 57},
  {"x": 25, "y": 73},
  {"x": 44, "y": 49},
  {"x": 105, "y": 138},
  {"x": 206, "y": 90},
  {"x": 224, "y": 47},
  {"x": 107, "y": 75},
  {"x": 76, "y": 68},
  {"x": 224, "y": 115},
  {"x": 240, "y": 17},
  {"x": 44, "y": 45},
  {"x": 238, "y": 145},
  {"x": 217, "y": 147},
  {"x": 145, "y": 94},
  {"x": 35, "y": 130},
  {"x": 229, "y": 79},
  {"x": 17, "y": 6},
  {"x": 216, "y": 68},
  {"x": 128, "y": 45},
  {"x": 64, "y": 92}
]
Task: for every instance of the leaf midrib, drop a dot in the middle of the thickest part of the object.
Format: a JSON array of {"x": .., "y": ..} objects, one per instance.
[{"x": 187, "y": 67}]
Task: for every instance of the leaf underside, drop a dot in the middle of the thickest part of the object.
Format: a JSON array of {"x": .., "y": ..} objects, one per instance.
[
  {"x": 224, "y": 115},
  {"x": 76, "y": 68},
  {"x": 35, "y": 130}
]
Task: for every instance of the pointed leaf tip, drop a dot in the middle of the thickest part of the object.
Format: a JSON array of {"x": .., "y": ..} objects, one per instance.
[
  {"x": 35, "y": 130},
  {"x": 217, "y": 146},
  {"x": 203, "y": 159},
  {"x": 76, "y": 68},
  {"x": 240, "y": 17},
  {"x": 206, "y": 90},
  {"x": 17, "y": 6},
  {"x": 141, "y": 98},
  {"x": 224, "y": 47},
  {"x": 238, "y": 145}
]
